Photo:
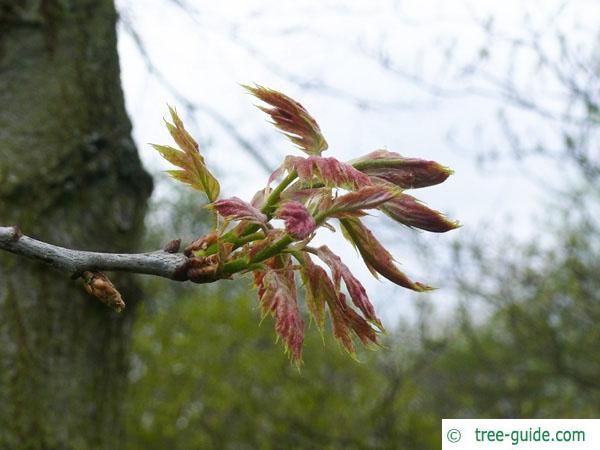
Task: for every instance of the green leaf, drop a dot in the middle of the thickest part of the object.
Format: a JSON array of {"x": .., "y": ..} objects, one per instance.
[{"x": 193, "y": 168}]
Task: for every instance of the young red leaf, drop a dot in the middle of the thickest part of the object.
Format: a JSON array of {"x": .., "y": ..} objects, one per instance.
[
  {"x": 358, "y": 294},
  {"x": 292, "y": 119},
  {"x": 345, "y": 321},
  {"x": 279, "y": 299},
  {"x": 312, "y": 277},
  {"x": 411, "y": 212},
  {"x": 341, "y": 328},
  {"x": 352, "y": 203},
  {"x": 363, "y": 330},
  {"x": 329, "y": 171},
  {"x": 320, "y": 291},
  {"x": 376, "y": 257},
  {"x": 299, "y": 223},
  {"x": 406, "y": 173},
  {"x": 315, "y": 200},
  {"x": 237, "y": 209},
  {"x": 259, "y": 276},
  {"x": 327, "y": 294}
]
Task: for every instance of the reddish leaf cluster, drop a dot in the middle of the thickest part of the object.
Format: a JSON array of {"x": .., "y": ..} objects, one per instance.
[
  {"x": 277, "y": 294},
  {"x": 315, "y": 190},
  {"x": 237, "y": 209},
  {"x": 324, "y": 294},
  {"x": 290, "y": 117},
  {"x": 328, "y": 171},
  {"x": 376, "y": 257},
  {"x": 368, "y": 197},
  {"x": 299, "y": 223}
]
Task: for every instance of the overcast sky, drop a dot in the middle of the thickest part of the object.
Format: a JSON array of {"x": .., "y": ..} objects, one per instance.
[{"x": 328, "y": 54}]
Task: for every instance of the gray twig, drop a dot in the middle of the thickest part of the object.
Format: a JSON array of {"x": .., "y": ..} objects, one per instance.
[{"x": 159, "y": 263}]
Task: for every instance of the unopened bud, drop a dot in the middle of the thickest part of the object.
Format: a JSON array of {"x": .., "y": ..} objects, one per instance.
[
  {"x": 407, "y": 173},
  {"x": 411, "y": 212},
  {"x": 98, "y": 285}
]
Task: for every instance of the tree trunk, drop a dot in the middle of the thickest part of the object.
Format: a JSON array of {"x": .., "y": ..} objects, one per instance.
[{"x": 70, "y": 175}]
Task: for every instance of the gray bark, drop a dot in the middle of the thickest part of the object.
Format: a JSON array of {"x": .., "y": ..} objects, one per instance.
[
  {"x": 69, "y": 174},
  {"x": 159, "y": 263}
]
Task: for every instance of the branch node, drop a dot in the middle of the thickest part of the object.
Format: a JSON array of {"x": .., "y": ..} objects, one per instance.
[
  {"x": 180, "y": 273},
  {"x": 203, "y": 269}
]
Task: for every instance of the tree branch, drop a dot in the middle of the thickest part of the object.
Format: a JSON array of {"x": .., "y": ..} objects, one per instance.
[{"x": 159, "y": 263}]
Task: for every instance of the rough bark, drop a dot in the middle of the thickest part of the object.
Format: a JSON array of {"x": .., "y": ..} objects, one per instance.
[{"x": 69, "y": 174}]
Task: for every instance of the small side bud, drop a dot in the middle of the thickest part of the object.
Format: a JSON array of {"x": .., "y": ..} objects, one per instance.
[
  {"x": 172, "y": 246},
  {"x": 98, "y": 285},
  {"x": 16, "y": 233}
]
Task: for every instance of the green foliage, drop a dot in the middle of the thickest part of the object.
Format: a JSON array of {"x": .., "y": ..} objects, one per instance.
[
  {"x": 205, "y": 376},
  {"x": 536, "y": 354}
]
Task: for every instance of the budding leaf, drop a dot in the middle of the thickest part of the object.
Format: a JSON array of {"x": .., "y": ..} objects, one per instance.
[
  {"x": 411, "y": 212},
  {"x": 327, "y": 171},
  {"x": 193, "y": 168},
  {"x": 260, "y": 197},
  {"x": 292, "y": 119},
  {"x": 235, "y": 208},
  {"x": 299, "y": 223},
  {"x": 358, "y": 294},
  {"x": 375, "y": 256},
  {"x": 312, "y": 277},
  {"x": 341, "y": 328},
  {"x": 279, "y": 299},
  {"x": 406, "y": 173},
  {"x": 345, "y": 321},
  {"x": 321, "y": 291},
  {"x": 368, "y": 197}
]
